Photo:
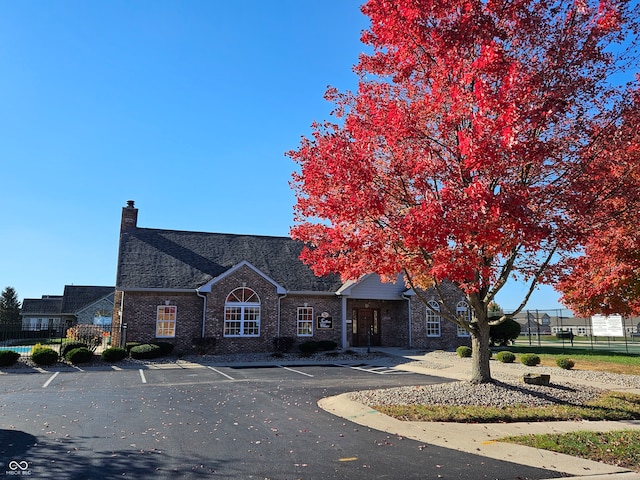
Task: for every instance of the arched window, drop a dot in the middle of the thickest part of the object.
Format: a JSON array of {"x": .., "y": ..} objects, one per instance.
[
  {"x": 242, "y": 313},
  {"x": 463, "y": 312},
  {"x": 433, "y": 319},
  {"x": 102, "y": 318}
]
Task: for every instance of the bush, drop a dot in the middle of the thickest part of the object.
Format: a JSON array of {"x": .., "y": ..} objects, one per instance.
[
  {"x": 69, "y": 345},
  {"x": 308, "y": 347},
  {"x": 43, "y": 355},
  {"x": 114, "y": 354},
  {"x": 530, "y": 359},
  {"x": 504, "y": 332},
  {"x": 79, "y": 355},
  {"x": 464, "y": 351},
  {"x": 505, "y": 357},
  {"x": 129, "y": 345},
  {"x": 283, "y": 344},
  {"x": 565, "y": 363},
  {"x": 8, "y": 358},
  {"x": 145, "y": 351},
  {"x": 165, "y": 347},
  {"x": 327, "y": 345}
]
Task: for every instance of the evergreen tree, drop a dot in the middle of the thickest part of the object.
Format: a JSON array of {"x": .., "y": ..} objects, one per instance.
[{"x": 9, "y": 307}]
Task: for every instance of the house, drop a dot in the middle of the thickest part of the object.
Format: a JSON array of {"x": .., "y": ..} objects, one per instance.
[
  {"x": 240, "y": 292},
  {"x": 78, "y": 305}
]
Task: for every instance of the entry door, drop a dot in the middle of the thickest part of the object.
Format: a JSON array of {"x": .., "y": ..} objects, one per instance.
[{"x": 367, "y": 327}]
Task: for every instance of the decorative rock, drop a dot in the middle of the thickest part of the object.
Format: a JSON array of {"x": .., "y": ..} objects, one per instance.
[{"x": 536, "y": 378}]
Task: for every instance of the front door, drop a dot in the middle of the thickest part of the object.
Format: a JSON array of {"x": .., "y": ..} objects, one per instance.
[{"x": 366, "y": 327}]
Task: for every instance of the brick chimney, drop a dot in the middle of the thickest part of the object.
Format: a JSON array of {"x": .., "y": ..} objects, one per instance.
[{"x": 129, "y": 216}]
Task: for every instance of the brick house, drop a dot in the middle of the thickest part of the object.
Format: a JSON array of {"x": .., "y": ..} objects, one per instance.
[{"x": 246, "y": 290}]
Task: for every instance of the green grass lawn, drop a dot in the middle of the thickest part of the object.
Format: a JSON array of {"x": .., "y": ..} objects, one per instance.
[{"x": 620, "y": 448}]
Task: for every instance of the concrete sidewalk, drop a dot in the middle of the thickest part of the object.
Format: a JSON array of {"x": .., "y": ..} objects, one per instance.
[{"x": 482, "y": 439}]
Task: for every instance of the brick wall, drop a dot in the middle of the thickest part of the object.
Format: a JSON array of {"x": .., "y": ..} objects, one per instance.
[{"x": 448, "y": 339}]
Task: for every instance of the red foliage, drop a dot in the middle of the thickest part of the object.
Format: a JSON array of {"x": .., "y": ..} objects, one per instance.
[{"x": 467, "y": 150}]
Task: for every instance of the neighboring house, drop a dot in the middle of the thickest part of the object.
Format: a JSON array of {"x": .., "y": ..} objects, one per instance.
[
  {"x": 78, "y": 304},
  {"x": 534, "y": 323},
  {"x": 246, "y": 290}
]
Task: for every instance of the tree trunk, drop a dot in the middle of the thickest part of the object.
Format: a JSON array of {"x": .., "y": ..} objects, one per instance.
[{"x": 480, "y": 370}]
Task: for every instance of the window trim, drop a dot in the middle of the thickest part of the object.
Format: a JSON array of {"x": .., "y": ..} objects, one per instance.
[
  {"x": 462, "y": 308},
  {"x": 240, "y": 298},
  {"x": 308, "y": 318},
  {"x": 433, "y": 319},
  {"x": 168, "y": 323}
]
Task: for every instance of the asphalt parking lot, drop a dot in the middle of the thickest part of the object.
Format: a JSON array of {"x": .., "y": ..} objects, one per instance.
[{"x": 198, "y": 421}]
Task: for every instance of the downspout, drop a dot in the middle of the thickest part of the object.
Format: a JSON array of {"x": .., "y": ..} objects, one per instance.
[
  {"x": 204, "y": 308},
  {"x": 409, "y": 310},
  {"x": 343, "y": 299},
  {"x": 122, "y": 344},
  {"x": 280, "y": 297}
]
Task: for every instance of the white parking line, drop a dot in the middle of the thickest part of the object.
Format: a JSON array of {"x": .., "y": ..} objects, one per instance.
[
  {"x": 221, "y": 373},
  {"x": 46, "y": 384},
  {"x": 375, "y": 369},
  {"x": 144, "y": 380},
  {"x": 296, "y": 371}
]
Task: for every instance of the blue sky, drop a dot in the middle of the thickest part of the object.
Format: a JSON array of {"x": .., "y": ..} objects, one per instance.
[{"x": 185, "y": 106}]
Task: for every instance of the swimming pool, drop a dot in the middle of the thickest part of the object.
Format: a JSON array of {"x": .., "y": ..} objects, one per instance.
[{"x": 21, "y": 349}]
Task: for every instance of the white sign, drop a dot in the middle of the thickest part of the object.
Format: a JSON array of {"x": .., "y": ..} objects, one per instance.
[{"x": 610, "y": 326}]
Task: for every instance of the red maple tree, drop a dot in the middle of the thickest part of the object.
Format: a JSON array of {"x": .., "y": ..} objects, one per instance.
[
  {"x": 605, "y": 277},
  {"x": 456, "y": 159}
]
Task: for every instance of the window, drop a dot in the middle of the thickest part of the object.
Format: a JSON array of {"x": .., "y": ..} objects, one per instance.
[
  {"x": 305, "y": 321},
  {"x": 433, "y": 320},
  {"x": 102, "y": 318},
  {"x": 242, "y": 313},
  {"x": 463, "y": 312},
  {"x": 166, "y": 321}
]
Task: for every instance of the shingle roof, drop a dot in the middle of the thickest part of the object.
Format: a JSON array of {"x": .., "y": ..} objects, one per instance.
[
  {"x": 76, "y": 297},
  {"x": 170, "y": 259},
  {"x": 47, "y": 306}
]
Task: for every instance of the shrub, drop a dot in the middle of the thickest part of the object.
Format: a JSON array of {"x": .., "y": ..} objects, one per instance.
[
  {"x": 87, "y": 333},
  {"x": 530, "y": 359},
  {"x": 505, "y": 357},
  {"x": 204, "y": 345},
  {"x": 114, "y": 354},
  {"x": 8, "y": 357},
  {"x": 327, "y": 345},
  {"x": 464, "y": 351},
  {"x": 43, "y": 355},
  {"x": 565, "y": 363},
  {"x": 79, "y": 355},
  {"x": 165, "y": 347},
  {"x": 69, "y": 345},
  {"x": 504, "y": 332},
  {"x": 308, "y": 347},
  {"x": 283, "y": 344},
  {"x": 129, "y": 345},
  {"x": 145, "y": 351}
]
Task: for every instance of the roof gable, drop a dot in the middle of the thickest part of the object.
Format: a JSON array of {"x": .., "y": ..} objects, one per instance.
[
  {"x": 371, "y": 286},
  {"x": 207, "y": 287},
  {"x": 78, "y": 297}
]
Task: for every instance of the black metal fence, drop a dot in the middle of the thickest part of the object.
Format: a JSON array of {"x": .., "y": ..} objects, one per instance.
[{"x": 22, "y": 338}]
